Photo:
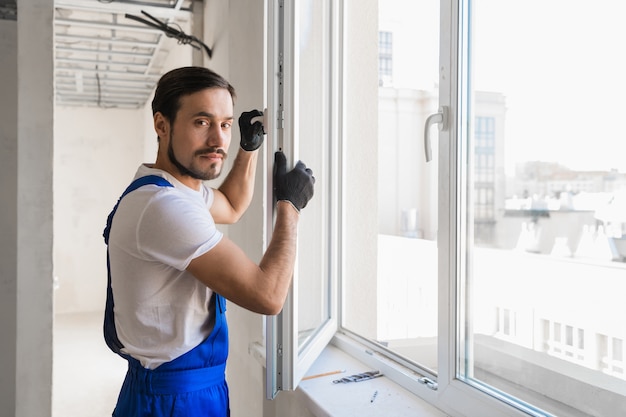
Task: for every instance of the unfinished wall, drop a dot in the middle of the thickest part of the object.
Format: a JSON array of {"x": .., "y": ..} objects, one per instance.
[{"x": 97, "y": 152}]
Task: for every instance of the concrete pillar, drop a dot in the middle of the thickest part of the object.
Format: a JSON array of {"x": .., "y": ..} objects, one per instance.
[
  {"x": 34, "y": 271},
  {"x": 8, "y": 214}
]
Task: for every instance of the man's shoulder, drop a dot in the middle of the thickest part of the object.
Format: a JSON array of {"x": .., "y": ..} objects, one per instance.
[{"x": 146, "y": 170}]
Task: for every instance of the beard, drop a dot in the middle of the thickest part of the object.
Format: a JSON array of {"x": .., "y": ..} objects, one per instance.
[{"x": 192, "y": 170}]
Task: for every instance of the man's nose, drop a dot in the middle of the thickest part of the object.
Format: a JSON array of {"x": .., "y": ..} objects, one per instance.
[{"x": 218, "y": 137}]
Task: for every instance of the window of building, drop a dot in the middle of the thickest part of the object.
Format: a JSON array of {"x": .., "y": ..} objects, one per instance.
[
  {"x": 499, "y": 265},
  {"x": 385, "y": 58}
]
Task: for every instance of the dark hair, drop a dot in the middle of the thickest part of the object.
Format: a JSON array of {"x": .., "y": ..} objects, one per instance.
[{"x": 181, "y": 82}]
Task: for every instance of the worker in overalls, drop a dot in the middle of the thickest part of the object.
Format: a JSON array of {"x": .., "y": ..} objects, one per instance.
[{"x": 171, "y": 270}]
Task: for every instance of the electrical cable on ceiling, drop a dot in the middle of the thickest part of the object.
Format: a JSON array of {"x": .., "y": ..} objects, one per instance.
[
  {"x": 99, "y": 101},
  {"x": 172, "y": 32}
]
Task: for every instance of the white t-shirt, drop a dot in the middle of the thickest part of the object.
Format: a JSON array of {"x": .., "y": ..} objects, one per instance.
[{"x": 161, "y": 310}]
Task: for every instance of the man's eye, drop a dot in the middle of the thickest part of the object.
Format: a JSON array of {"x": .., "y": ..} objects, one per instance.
[
  {"x": 226, "y": 125},
  {"x": 202, "y": 123}
]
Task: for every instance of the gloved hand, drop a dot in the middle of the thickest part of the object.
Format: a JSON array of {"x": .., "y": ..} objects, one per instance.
[
  {"x": 295, "y": 186},
  {"x": 251, "y": 134}
]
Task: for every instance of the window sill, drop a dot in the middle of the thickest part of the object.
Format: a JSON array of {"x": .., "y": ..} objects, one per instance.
[{"x": 325, "y": 399}]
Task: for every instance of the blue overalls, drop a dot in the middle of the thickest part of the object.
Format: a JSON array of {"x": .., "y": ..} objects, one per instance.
[{"x": 192, "y": 385}]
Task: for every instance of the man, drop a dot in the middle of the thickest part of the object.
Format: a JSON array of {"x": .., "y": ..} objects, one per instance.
[{"x": 170, "y": 269}]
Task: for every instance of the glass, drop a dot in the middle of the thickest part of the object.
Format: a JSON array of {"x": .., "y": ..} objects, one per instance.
[
  {"x": 543, "y": 313},
  {"x": 313, "y": 147},
  {"x": 390, "y": 279}
]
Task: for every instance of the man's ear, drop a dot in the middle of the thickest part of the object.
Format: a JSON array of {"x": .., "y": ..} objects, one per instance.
[{"x": 161, "y": 125}]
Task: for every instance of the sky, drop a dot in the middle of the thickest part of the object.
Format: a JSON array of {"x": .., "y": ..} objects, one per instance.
[{"x": 561, "y": 67}]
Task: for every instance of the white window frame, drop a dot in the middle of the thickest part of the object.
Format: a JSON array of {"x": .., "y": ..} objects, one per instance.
[
  {"x": 286, "y": 361},
  {"x": 285, "y": 365}
]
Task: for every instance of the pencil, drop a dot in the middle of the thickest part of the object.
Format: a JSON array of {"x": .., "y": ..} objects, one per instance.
[
  {"x": 324, "y": 374},
  {"x": 374, "y": 396}
]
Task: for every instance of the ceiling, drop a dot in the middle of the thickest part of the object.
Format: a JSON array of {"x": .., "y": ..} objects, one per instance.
[
  {"x": 8, "y": 9},
  {"x": 104, "y": 58}
]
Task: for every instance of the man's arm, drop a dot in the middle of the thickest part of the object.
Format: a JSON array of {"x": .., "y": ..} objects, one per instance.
[
  {"x": 261, "y": 288},
  {"x": 233, "y": 197}
]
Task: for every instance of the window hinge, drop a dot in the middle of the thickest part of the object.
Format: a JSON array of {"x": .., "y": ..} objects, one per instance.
[
  {"x": 280, "y": 113},
  {"x": 280, "y": 119},
  {"x": 279, "y": 350},
  {"x": 428, "y": 382}
]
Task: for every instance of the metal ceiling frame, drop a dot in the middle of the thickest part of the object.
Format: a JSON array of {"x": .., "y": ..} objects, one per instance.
[
  {"x": 8, "y": 9},
  {"x": 104, "y": 59}
]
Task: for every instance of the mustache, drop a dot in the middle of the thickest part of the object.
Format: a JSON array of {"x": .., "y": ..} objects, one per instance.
[{"x": 212, "y": 149}]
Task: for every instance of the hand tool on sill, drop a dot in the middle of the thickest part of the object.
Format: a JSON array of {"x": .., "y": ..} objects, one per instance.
[{"x": 358, "y": 377}]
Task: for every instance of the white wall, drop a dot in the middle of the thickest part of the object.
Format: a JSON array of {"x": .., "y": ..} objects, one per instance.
[
  {"x": 239, "y": 53},
  {"x": 97, "y": 154}
]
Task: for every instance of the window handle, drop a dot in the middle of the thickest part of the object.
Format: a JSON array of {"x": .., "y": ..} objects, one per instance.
[{"x": 441, "y": 118}]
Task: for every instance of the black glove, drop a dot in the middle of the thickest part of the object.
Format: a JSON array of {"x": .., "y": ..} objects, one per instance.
[
  {"x": 251, "y": 134},
  {"x": 295, "y": 186}
]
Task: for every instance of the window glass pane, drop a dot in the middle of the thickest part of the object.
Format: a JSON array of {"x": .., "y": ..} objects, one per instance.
[
  {"x": 313, "y": 147},
  {"x": 545, "y": 222},
  {"x": 390, "y": 277}
]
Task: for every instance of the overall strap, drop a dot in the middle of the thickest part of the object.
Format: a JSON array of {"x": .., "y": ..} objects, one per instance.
[
  {"x": 139, "y": 182},
  {"x": 110, "y": 333}
]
